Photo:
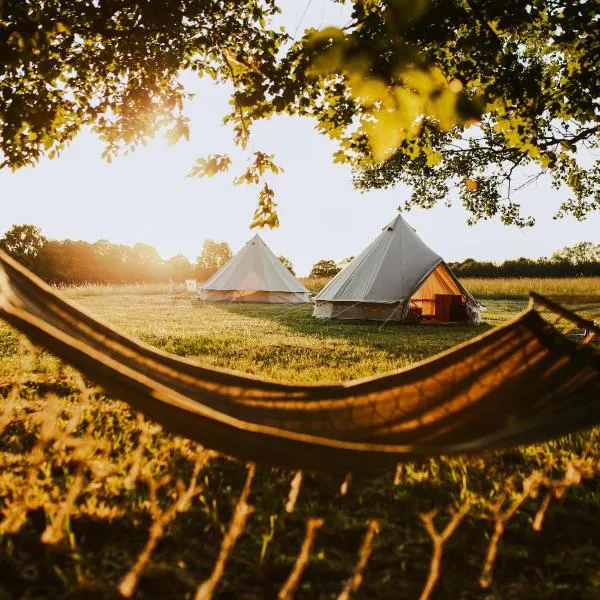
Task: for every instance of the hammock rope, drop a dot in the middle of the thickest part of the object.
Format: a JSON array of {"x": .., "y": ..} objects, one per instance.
[{"x": 519, "y": 383}]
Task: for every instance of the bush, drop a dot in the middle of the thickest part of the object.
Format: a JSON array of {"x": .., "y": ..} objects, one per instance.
[{"x": 324, "y": 268}]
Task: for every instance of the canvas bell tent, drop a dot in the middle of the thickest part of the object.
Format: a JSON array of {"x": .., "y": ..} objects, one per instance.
[
  {"x": 254, "y": 274},
  {"x": 397, "y": 277}
]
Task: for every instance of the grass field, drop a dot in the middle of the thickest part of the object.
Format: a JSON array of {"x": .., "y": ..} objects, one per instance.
[
  {"x": 518, "y": 288},
  {"x": 97, "y": 503}
]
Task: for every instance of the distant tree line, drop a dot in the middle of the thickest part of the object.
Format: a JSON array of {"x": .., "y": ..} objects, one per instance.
[
  {"x": 73, "y": 262},
  {"x": 582, "y": 259}
]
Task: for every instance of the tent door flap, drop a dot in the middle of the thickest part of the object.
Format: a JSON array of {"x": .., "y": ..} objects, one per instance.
[{"x": 449, "y": 307}]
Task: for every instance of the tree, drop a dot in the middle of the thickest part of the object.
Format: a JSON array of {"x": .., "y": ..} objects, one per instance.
[
  {"x": 70, "y": 262},
  {"x": 49, "y": 262},
  {"x": 454, "y": 93},
  {"x": 113, "y": 263},
  {"x": 23, "y": 242},
  {"x": 179, "y": 268},
  {"x": 345, "y": 262},
  {"x": 113, "y": 66},
  {"x": 287, "y": 263},
  {"x": 324, "y": 268},
  {"x": 431, "y": 94},
  {"x": 584, "y": 252},
  {"x": 214, "y": 255},
  {"x": 145, "y": 264},
  {"x": 146, "y": 254}
]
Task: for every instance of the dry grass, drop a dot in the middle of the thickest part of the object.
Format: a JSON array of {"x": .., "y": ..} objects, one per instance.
[
  {"x": 315, "y": 285},
  {"x": 520, "y": 288},
  {"x": 510, "y": 288},
  {"x": 130, "y": 289}
]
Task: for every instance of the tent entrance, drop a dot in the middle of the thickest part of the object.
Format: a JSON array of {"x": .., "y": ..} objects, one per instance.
[{"x": 440, "y": 298}]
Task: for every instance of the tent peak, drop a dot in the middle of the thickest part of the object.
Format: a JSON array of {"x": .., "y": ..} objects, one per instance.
[
  {"x": 399, "y": 220},
  {"x": 255, "y": 238}
]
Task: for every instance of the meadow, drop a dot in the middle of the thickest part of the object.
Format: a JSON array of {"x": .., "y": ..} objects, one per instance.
[{"x": 97, "y": 502}]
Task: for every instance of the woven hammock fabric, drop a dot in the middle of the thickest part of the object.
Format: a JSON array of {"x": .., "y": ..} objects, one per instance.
[{"x": 520, "y": 383}]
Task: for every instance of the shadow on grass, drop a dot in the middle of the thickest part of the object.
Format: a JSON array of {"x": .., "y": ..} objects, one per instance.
[
  {"x": 395, "y": 339},
  {"x": 560, "y": 562}
]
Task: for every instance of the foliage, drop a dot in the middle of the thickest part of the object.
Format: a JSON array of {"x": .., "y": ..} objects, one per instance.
[
  {"x": 579, "y": 254},
  {"x": 525, "y": 267},
  {"x": 180, "y": 268},
  {"x": 69, "y": 262},
  {"x": 95, "y": 500},
  {"x": 262, "y": 163},
  {"x": 429, "y": 93},
  {"x": 23, "y": 242},
  {"x": 214, "y": 255},
  {"x": 287, "y": 263},
  {"x": 345, "y": 261},
  {"x": 459, "y": 93},
  {"x": 265, "y": 214},
  {"x": 324, "y": 268},
  {"x": 114, "y": 66},
  {"x": 208, "y": 167},
  {"x": 322, "y": 271},
  {"x": 145, "y": 254},
  {"x": 266, "y": 211},
  {"x": 582, "y": 259}
]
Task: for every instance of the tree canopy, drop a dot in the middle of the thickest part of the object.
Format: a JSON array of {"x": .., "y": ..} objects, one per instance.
[
  {"x": 324, "y": 268},
  {"x": 584, "y": 252},
  {"x": 287, "y": 263},
  {"x": 214, "y": 255},
  {"x": 483, "y": 95},
  {"x": 76, "y": 261},
  {"x": 345, "y": 262},
  {"x": 180, "y": 268},
  {"x": 24, "y": 243}
]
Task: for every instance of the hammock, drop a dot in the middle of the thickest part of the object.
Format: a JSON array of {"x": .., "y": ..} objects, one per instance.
[{"x": 520, "y": 383}]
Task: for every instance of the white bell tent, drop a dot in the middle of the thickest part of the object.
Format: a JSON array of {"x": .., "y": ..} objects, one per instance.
[
  {"x": 397, "y": 277},
  {"x": 254, "y": 274}
]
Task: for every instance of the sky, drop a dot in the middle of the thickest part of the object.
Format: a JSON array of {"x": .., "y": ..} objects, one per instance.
[{"x": 145, "y": 196}]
